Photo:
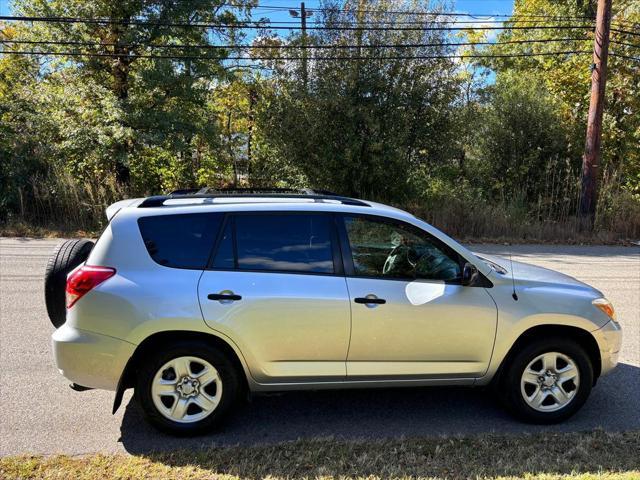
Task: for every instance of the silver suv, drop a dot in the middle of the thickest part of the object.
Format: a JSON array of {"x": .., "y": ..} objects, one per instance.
[{"x": 196, "y": 299}]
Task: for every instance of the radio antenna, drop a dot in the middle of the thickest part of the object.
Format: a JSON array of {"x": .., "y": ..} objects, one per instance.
[{"x": 513, "y": 280}]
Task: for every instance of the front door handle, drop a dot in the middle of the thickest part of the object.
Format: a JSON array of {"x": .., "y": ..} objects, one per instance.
[
  {"x": 370, "y": 300},
  {"x": 224, "y": 296}
]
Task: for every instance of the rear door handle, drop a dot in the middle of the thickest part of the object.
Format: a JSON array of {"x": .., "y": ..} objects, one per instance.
[
  {"x": 224, "y": 296},
  {"x": 370, "y": 300}
]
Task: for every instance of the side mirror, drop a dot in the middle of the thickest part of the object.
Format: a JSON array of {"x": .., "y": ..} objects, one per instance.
[{"x": 469, "y": 274}]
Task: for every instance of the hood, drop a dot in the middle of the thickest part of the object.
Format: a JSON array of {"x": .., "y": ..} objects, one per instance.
[{"x": 524, "y": 273}]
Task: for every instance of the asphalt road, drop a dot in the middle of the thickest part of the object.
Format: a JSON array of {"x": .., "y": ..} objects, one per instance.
[{"x": 40, "y": 414}]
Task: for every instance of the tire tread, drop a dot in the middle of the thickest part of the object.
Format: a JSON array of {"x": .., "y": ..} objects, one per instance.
[
  {"x": 65, "y": 257},
  {"x": 510, "y": 383}
]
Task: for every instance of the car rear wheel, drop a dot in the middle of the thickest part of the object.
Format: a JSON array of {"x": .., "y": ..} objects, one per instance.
[
  {"x": 548, "y": 380},
  {"x": 66, "y": 256},
  {"x": 187, "y": 388}
]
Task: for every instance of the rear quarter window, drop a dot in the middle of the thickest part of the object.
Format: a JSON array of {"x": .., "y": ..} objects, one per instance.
[{"x": 180, "y": 241}]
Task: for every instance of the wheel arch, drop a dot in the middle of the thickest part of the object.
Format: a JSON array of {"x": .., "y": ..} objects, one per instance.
[
  {"x": 583, "y": 337},
  {"x": 128, "y": 377}
]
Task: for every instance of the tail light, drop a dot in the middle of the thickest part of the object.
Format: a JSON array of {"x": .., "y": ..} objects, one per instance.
[{"x": 83, "y": 280}]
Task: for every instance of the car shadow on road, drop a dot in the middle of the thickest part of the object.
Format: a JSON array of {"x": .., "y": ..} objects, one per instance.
[{"x": 387, "y": 414}]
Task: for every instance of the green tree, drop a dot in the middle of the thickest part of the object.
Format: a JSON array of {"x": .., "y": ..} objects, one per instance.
[
  {"x": 140, "y": 105},
  {"x": 519, "y": 138},
  {"x": 568, "y": 77},
  {"x": 364, "y": 123},
  {"x": 21, "y": 154}
]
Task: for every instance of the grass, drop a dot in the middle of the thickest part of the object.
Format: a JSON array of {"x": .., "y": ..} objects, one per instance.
[
  {"x": 575, "y": 456},
  {"x": 21, "y": 228},
  {"x": 59, "y": 205}
]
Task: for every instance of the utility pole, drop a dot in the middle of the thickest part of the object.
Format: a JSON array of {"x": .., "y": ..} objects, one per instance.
[
  {"x": 303, "y": 19},
  {"x": 591, "y": 158}
]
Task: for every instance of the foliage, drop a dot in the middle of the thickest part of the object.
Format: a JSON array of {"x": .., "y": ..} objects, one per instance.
[
  {"x": 362, "y": 126},
  {"x": 567, "y": 79},
  {"x": 477, "y": 147},
  {"x": 520, "y": 136},
  {"x": 108, "y": 113}
]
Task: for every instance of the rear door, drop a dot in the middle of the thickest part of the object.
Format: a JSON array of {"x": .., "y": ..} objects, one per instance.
[
  {"x": 276, "y": 287},
  {"x": 411, "y": 317}
]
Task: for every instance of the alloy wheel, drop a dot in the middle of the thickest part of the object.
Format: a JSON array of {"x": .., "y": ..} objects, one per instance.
[
  {"x": 186, "y": 389},
  {"x": 550, "y": 382}
]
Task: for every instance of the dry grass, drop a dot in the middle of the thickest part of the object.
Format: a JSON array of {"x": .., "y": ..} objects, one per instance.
[
  {"x": 617, "y": 221},
  {"x": 58, "y": 205},
  {"x": 595, "y": 455},
  {"x": 61, "y": 206},
  {"x": 21, "y": 228}
]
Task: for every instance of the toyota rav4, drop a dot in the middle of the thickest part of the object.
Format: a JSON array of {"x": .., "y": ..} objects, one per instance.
[{"x": 196, "y": 299}]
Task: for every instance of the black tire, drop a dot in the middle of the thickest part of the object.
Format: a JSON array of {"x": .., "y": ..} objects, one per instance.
[
  {"x": 65, "y": 257},
  {"x": 229, "y": 375},
  {"x": 510, "y": 386}
]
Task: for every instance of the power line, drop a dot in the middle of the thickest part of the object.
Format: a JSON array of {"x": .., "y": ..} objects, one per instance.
[
  {"x": 288, "y": 46},
  {"x": 454, "y": 21},
  {"x": 632, "y": 45},
  {"x": 268, "y": 21},
  {"x": 626, "y": 24},
  {"x": 197, "y": 57},
  {"x": 414, "y": 13},
  {"x": 258, "y": 25},
  {"x": 476, "y": 16},
  {"x": 625, "y": 32},
  {"x": 628, "y": 57}
]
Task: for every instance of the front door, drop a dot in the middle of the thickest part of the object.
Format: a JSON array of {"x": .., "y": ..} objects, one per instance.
[
  {"x": 276, "y": 288},
  {"x": 411, "y": 317}
]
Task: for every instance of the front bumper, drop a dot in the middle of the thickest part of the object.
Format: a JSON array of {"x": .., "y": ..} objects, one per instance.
[
  {"x": 609, "y": 340},
  {"x": 90, "y": 359}
]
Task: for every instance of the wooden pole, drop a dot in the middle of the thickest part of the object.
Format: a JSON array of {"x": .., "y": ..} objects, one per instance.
[{"x": 591, "y": 158}]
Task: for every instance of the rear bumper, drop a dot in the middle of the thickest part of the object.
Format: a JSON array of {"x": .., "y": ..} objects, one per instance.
[
  {"x": 609, "y": 340},
  {"x": 90, "y": 359}
]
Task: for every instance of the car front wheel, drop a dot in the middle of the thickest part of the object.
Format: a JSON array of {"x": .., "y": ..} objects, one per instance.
[
  {"x": 187, "y": 388},
  {"x": 548, "y": 380}
]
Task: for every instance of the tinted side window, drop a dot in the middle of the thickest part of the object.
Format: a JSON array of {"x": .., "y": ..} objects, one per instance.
[
  {"x": 180, "y": 241},
  {"x": 393, "y": 250},
  {"x": 284, "y": 242}
]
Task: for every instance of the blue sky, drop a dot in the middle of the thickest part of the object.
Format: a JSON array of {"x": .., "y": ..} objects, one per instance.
[{"x": 472, "y": 6}]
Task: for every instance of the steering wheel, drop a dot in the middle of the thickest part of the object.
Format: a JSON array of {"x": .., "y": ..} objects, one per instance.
[{"x": 398, "y": 255}]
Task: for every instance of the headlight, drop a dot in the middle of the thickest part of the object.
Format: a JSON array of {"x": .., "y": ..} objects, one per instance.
[{"x": 606, "y": 306}]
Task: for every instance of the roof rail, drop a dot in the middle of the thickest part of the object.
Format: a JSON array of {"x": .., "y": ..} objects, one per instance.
[
  {"x": 185, "y": 191},
  {"x": 212, "y": 193},
  {"x": 257, "y": 190}
]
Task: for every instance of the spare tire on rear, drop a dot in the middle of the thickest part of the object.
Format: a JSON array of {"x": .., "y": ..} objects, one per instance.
[{"x": 66, "y": 256}]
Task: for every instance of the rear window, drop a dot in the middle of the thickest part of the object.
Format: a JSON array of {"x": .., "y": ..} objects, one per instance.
[
  {"x": 284, "y": 242},
  {"x": 180, "y": 241}
]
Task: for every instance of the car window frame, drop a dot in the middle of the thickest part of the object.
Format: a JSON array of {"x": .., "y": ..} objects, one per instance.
[
  {"x": 348, "y": 254},
  {"x": 338, "y": 265}
]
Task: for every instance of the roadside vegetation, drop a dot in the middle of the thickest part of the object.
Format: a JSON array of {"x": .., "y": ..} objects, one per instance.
[
  {"x": 568, "y": 456},
  {"x": 484, "y": 148}
]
